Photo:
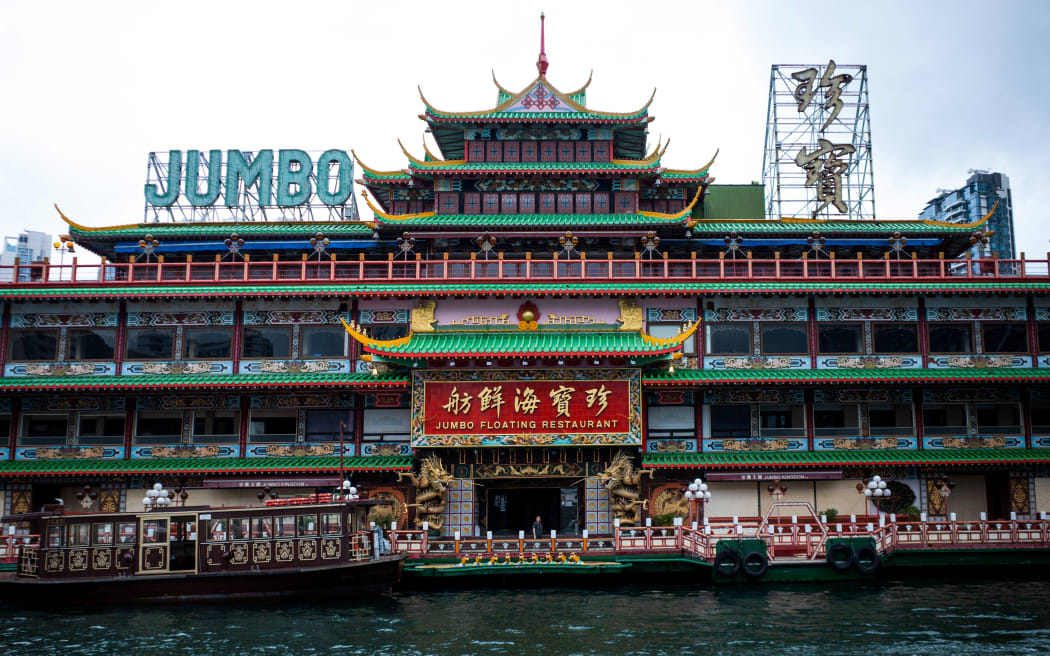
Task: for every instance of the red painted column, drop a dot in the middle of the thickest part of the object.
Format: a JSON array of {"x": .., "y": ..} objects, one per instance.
[
  {"x": 5, "y": 336},
  {"x": 129, "y": 424},
  {"x": 359, "y": 422},
  {"x": 353, "y": 352},
  {"x": 121, "y": 340},
  {"x": 12, "y": 433},
  {"x": 1033, "y": 333},
  {"x": 238, "y": 338},
  {"x": 924, "y": 335},
  {"x": 645, "y": 423},
  {"x": 1026, "y": 417},
  {"x": 917, "y": 404},
  {"x": 812, "y": 332},
  {"x": 810, "y": 433},
  {"x": 242, "y": 428},
  {"x": 701, "y": 348}
]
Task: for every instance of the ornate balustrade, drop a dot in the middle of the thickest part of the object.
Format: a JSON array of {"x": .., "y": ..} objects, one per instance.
[
  {"x": 532, "y": 270},
  {"x": 798, "y": 539}
]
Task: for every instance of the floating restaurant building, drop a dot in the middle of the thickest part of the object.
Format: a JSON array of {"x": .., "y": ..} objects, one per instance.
[{"x": 541, "y": 317}]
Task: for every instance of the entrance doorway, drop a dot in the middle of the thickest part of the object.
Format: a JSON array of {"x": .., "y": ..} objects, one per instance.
[{"x": 511, "y": 510}]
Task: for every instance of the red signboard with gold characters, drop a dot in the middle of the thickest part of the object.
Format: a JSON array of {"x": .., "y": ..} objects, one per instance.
[{"x": 507, "y": 409}]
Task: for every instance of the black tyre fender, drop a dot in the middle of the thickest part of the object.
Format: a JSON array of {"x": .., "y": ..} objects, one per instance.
[
  {"x": 727, "y": 563},
  {"x": 866, "y": 560},
  {"x": 755, "y": 564},
  {"x": 840, "y": 556}
]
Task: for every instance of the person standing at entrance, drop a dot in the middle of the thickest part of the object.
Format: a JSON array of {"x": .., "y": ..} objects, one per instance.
[{"x": 537, "y": 528}]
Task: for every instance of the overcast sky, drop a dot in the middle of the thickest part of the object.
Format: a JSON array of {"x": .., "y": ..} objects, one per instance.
[{"x": 88, "y": 89}]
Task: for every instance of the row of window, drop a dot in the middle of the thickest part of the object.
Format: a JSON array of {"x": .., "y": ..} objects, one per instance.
[
  {"x": 208, "y": 427},
  {"x": 205, "y": 343},
  {"x": 538, "y": 151},
  {"x": 848, "y": 338},
  {"x": 102, "y": 534},
  {"x": 845, "y": 419},
  {"x": 544, "y": 202}
]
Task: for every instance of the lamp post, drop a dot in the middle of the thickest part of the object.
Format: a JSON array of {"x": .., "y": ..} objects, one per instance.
[
  {"x": 156, "y": 497},
  {"x": 696, "y": 493},
  {"x": 875, "y": 489}
]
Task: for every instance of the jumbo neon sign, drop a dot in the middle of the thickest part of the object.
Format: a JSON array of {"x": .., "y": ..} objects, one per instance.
[{"x": 239, "y": 185}]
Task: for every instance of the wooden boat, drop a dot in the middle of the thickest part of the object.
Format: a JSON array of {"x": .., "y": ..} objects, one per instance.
[{"x": 200, "y": 553}]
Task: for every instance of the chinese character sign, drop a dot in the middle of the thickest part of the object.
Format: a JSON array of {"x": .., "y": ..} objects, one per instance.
[
  {"x": 832, "y": 85},
  {"x": 526, "y": 412},
  {"x": 824, "y": 168}
]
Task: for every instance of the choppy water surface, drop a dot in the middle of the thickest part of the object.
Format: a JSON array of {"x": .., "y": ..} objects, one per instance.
[{"x": 928, "y": 617}]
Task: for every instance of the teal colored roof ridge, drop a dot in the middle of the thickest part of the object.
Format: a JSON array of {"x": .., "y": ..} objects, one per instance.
[
  {"x": 515, "y": 221},
  {"x": 845, "y": 458},
  {"x": 156, "y": 381},
  {"x": 247, "y": 229},
  {"x": 537, "y": 167},
  {"x": 882, "y": 228},
  {"x": 569, "y": 285},
  {"x": 204, "y": 465},
  {"x": 587, "y": 116},
  {"x": 498, "y": 343},
  {"x": 728, "y": 376}
]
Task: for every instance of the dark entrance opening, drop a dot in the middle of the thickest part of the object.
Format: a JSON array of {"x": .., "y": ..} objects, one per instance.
[
  {"x": 183, "y": 543},
  {"x": 515, "y": 509},
  {"x": 45, "y": 495},
  {"x": 997, "y": 489}
]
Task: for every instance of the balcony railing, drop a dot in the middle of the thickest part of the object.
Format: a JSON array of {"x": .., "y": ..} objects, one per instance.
[{"x": 530, "y": 270}]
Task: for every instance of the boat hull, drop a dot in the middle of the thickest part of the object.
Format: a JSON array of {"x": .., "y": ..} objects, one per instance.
[{"x": 357, "y": 579}]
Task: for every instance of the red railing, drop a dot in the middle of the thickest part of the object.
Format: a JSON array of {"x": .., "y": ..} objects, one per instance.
[
  {"x": 788, "y": 539},
  {"x": 531, "y": 270}
]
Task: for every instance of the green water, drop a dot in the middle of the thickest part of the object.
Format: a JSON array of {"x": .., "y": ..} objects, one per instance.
[{"x": 931, "y": 617}]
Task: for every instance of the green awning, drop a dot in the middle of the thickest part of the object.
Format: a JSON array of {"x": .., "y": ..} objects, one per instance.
[
  {"x": 688, "y": 377},
  {"x": 524, "y": 343},
  {"x": 202, "y": 381},
  {"x": 846, "y": 458},
  {"x": 568, "y": 285},
  {"x": 320, "y": 464}
]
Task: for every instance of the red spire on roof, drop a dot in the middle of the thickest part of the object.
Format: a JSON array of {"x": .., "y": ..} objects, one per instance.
[{"x": 542, "y": 62}]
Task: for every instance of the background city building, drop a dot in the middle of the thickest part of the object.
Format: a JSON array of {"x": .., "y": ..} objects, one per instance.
[
  {"x": 29, "y": 246},
  {"x": 969, "y": 203}
]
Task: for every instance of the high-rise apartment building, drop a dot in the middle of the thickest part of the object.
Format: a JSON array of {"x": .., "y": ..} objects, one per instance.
[{"x": 971, "y": 202}]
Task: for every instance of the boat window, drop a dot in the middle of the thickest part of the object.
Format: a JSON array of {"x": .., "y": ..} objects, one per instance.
[
  {"x": 154, "y": 531},
  {"x": 217, "y": 530},
  {"x": 784, "y": 338},
  {"x": 239, "y": 528},
  {"x": 127, "y": 533},
  {"x": 285, "y": 526},
  {"x": 54, "y": 535},
  {"x": 729, "y": 339},
  {"x": 78, "y": 535},
  {"x": 951, "y": 338},
  {"x": 895, "y": 338},
  {"x": 267, "y": 342},
  {"x": 103, "y": 533},
  {"x": 204, "y": 343},
  {"x": 33, "y": 344},
  {"x": 150, "y": 343},
  {"x": 262, "y": 527},
  {"x": 307, "y": 525},
  {"x": 1005, "y": 337},
  {"x": 323, "y": 341},
  {"x": 91, "y": 343},
  {"x": 840, "y": 338},
  {"x": 330, "y": 524}
]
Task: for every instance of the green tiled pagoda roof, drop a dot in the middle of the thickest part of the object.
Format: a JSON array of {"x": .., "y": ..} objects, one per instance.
[
  {"x": 270, "y": 290},
  {"x": 200, "y": 381},
  {"x": 956, "y": 374},
  {"x": 846, "y": 458},
  {"x": 805, "y": 229},
  {"x": 203, "y": 465},
  {"x": 555, "y": 117},
  {"x": 504, "y": 343},
  {"x": 534, "y": 168},
  {"x": 524, "y": 221},
  {"x": 251, "y": 229}
]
